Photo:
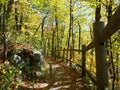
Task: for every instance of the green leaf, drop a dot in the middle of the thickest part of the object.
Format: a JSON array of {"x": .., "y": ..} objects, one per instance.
[{"x": 11, "y": 71}]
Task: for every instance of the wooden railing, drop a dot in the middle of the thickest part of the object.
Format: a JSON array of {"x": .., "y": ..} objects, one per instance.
[{"x": 101, "y": 34}]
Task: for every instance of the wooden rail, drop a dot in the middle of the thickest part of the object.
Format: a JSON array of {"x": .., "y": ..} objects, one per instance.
[
  {"x": 70, "y": 50},
  {"x": 112, "y": 27},
  {"x": 90, "y": 46},
  {"x": 101, "y": 34}
]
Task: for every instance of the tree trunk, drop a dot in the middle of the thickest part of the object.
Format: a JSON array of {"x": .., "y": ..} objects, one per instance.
[
  {"x": 73, "y": 37},
  {"x": 53, "y": 43},
  {"x": 4, "y": 33},
  {"x": 109, "y": 14},
  {"x": 21, "y": 21},
  {"x": 79, "y": 35},
  {"x": 56, "y": 23},
  {"x": 16, "y": 16},
  {"x": 70, "y": 29},
  {"x": 9, "y": 7},
  {"x": 0, "y": 23},
  {"x": 97, "y": 12},
  {"x": 42, "y": 35},
  {"x": 112, "y": 63},
  {"x": 117, "y": 72}
]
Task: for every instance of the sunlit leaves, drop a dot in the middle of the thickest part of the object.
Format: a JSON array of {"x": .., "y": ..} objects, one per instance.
[{"x": 3, "y": 1}]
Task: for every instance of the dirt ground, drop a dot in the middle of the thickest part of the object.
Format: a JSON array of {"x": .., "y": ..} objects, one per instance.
[{"x": 61, "y": 77}]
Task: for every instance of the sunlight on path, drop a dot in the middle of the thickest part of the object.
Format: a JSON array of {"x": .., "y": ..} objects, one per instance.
[
  {"x": 65, "y": 78},
  {"x": 60, "y": 77}
]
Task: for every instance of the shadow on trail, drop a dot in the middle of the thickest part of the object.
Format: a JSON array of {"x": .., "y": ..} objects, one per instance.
[
  {"x": 65, "y": 78},
  {"x": 60, "y": 77}
]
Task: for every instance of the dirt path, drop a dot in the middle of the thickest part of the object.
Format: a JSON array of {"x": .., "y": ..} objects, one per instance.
[
  {"x": 65, "y": 78},
  {"x": 61, "y": 77}
]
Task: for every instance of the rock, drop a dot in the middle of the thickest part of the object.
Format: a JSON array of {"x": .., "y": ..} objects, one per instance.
[{"x": 38, "y": 58}]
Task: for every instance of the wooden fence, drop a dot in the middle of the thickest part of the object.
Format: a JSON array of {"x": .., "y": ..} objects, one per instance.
[{"x": 101, "y": 34}]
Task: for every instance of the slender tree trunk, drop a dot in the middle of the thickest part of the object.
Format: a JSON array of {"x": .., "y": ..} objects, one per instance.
[
  {"x": 109, "y": 14},
  {"x": 113, "y": 66},
  {"x": 70, "y": 30},
  {"x": 91, "y": 52},
  {"x": 16, "y": 16},
  {"x": 18, "y": 19},
  {"x": 44, "y": 53},
  {"x": 9, "y": 8},
  {"x": 56, "y": 22},
  {"x": 21, "y": 21},
  {"x": 53, "y": 42},
  {"x": 97, "y": 12},
  {"x": 4, "y": 33},
  {"x": 73, "y": 37},
  {"x": 117, "y": 72},
  {"x": 79, "y": 35},
  {"x": 48, "y": 46},
  {"x": 0, "y": 23},
  {"x": 42, "y": 34},
  {"x": 0, "y": 16}
]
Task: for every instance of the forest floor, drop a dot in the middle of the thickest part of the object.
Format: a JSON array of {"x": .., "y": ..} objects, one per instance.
[{"x": 61, "y": 77}]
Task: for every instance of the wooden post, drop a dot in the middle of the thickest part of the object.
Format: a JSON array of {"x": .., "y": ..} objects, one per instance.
[
  {"x": 101, "y": 62},
  {"x": 50, "y": 68},
  {"x": 83, "y": 61}
]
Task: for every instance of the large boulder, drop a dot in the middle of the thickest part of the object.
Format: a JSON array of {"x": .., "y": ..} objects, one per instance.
[
  {"x": 30, "y": 58},
  {"x": 38, "y": 58}
]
